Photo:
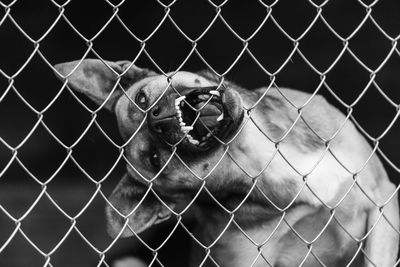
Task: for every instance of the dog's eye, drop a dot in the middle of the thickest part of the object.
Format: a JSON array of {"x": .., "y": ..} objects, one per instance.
[
  {"x": 155, "y": 161},
  {"x": 141, "y": 100}
]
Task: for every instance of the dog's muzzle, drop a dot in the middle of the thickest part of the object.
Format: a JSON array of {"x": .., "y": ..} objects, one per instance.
[{"x": 197, "y": 118}]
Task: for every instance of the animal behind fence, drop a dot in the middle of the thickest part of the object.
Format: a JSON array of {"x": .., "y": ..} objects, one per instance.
[{"x": 237, "y": 176}]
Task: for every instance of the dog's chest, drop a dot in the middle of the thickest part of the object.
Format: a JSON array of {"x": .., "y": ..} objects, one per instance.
[{"x": 235, "y": 248}]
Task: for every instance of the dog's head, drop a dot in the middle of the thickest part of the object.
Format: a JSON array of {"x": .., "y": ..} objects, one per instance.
[{"x": 175, "y": 128}]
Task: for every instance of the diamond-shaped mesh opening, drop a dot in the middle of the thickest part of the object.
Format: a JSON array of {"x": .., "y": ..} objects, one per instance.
[
  {"x": 68, "y": 38},
  {"x": 344, "y": 23},
  {"x": 174, "y": 126},
  {"x": 261, "y": 51},
  {"x": 17, "y": 46},
  {"x": 23, "y": 196},
  {"x": 294, "y": 23},
  {"x": 221, "y": 58},
  {"x": 11, "y": 253},
  {"x": 17, "y": 127},
  {"x": 158, "y": 47},
  {"x": 28, "y": 17}
]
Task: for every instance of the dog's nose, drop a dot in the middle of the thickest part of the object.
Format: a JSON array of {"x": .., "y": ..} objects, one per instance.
[
  {"x": 162, "y": 125},
  {"x": 161, "y": 117},
  {"x": 155, "y": 111},
  {"x": 155, "y": 123},
  {"x": 160, "y": 112}
]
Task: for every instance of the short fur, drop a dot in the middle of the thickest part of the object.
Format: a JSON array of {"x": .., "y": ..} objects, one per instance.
[{"x": 277, "y": 219}]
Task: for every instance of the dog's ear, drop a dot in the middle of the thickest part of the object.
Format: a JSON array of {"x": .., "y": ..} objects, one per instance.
[
  {"x": 97, "y": 79},
  {"x": 125, "y": 198}
]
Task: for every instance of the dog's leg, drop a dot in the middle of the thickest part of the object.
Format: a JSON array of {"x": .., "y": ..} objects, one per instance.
[{"x": 383, "y": 241}]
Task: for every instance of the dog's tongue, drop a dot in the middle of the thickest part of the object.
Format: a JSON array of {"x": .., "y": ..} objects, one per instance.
[
  {"x": 208, "y": 117},
  {"x": 207, "y": 110}
]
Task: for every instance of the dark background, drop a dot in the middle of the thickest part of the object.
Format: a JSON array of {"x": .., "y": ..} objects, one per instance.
[{"x": 30, "y": 75}]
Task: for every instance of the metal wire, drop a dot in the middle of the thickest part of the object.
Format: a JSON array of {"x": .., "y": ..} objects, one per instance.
[{"x": 194, "y": 42}]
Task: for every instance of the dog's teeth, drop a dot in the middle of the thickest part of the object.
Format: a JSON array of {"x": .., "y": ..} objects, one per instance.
[
  {"x": 186, "y": 128},
  {"x": 214, "y": 92},
  {"x": 208, "y": 135},
  {"x": 180, "y": 119},
  {"x": 182, "y": 123},
  {"x": 178, "y": 110},
  {"x": 221, "y": 117},
  {"x": 194, "y": 142},
  {"x": 179, "y": 100}
]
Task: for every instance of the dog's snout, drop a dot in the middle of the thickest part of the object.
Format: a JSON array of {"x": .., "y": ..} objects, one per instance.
[
  {"x": 161, "y": 117},
  {"x": 156, "y": 124},
  {"x": 165, "y": 108}
]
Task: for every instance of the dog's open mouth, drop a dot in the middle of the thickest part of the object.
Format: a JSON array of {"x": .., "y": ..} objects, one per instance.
[
  {"x": 202, "y": 116},
  {"x": 197, "y": 118}
]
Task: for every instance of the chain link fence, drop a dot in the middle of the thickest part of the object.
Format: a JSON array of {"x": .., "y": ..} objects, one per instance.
[{"x": 61, "y": 155}]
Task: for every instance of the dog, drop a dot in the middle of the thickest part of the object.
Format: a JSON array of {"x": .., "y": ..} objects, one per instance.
[{"x": 277, "y": 177}]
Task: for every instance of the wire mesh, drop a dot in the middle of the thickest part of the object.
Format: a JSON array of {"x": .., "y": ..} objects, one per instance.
[{"x": 89, "y": 190}]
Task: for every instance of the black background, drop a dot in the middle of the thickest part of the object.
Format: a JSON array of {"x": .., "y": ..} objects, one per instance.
[{"x": 35, "y": 82}]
